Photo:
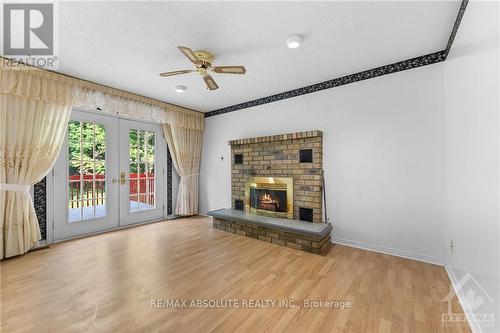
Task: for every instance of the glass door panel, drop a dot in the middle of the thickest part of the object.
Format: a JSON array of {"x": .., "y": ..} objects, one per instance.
[
  {"x": 141, "y": 171},
  {"x": 142, "y": 197},
  {"x": 87, "y": 171},
  {"x": 86, "y": 197}
]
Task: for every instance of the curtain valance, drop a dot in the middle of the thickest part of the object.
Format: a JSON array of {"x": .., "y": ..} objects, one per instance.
[
  {"x": 42, "y": 85},
  {"x": 174, "y": 116},
  {"x": 91, "y": 99},
  {"x": 36, "y": 85}
]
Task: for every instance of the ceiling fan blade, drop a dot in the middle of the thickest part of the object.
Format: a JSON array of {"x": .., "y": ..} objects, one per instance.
[
  {"x": 176, "y": 72},
  {"x": 229, "y": 69},
  {"x": 210, "y": 82},
  {"x": 189, "y": 54}
]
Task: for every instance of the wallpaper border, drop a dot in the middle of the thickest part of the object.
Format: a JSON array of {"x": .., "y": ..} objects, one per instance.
[
  {"x": 456, "y": 25},
  {"x": 416, "y": 62}
]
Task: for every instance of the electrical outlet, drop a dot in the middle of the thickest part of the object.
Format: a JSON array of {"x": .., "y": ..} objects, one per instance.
[{"x": 452, "y": 249}]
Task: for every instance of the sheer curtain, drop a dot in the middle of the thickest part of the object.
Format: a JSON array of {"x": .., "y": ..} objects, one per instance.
[
  {"x": 31, "y": 135},
  {"x": 184, "y": 135}
]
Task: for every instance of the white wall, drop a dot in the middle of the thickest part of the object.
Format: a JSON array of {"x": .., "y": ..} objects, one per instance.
[
  {"x": 471, "y": 145},
  {"x": 382, "y": 157},
  {"x": 411, "y": 159}
]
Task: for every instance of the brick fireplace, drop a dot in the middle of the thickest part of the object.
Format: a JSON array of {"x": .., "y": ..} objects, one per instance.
[
  {"x": 277, "y": 191},
  {"x": 279, "y": 175}
]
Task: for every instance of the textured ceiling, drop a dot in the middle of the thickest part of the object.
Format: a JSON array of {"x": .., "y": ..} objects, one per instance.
[{"x": 126, "y": 44}]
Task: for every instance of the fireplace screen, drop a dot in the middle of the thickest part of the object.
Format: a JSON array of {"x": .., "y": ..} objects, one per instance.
[{"x": 268, "y": 199}]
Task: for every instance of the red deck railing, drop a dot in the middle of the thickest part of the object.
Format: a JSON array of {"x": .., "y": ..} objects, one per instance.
[{"x": 138, "y": 185}]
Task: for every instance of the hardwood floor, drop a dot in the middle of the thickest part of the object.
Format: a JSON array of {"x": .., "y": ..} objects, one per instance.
[{"x": 106, "y": 283}]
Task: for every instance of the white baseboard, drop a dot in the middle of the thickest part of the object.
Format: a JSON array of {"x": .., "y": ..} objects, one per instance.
[
  {"x": 390, "y": 251},
  {"x": 462, "y": 299}
]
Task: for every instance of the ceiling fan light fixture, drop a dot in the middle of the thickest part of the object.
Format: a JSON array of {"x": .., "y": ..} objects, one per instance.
[
  {"x": 293, "y": 41},
  {"x": 202, "y": 60},
  {"x": 180, "y": 89}
]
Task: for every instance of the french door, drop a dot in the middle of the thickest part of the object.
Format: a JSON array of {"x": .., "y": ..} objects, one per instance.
[
  {"x": 110, "y": 173},
  {"x": 142, "y": 172}
]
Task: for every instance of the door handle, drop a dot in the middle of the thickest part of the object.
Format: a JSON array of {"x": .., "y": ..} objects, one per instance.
[{"x": 122, "y": 178}]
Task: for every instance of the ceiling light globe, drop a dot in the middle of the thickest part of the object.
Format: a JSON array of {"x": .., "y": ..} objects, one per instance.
[
  {"x": 293, "y": 41},
  {"x": 180, "y": 89}
]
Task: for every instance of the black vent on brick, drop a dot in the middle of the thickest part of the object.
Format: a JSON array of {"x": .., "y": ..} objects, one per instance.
[
  {"x": 306, "y": 156},
  {"x": 238, "y": 204},
  {"x": 238, "y": 158},
  {"x": 306, "y": 214}
]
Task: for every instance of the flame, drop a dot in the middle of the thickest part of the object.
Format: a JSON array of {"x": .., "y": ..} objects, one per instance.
[{"x": 267, "y": 199}]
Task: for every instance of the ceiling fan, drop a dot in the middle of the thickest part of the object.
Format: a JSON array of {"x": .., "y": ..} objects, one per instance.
[{"x": 203, "y": 63}]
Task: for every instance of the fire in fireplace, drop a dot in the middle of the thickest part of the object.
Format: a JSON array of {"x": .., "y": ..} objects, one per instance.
[
  {"x": 271, "y": 196},
  {"x": 268, "y": 199}
]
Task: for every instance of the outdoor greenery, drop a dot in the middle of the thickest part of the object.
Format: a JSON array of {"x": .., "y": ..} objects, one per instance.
[
  {"x": 86, "y": 143},
  {"x": 139, "y": 152},
  {"x": 87, "y": 149}
]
